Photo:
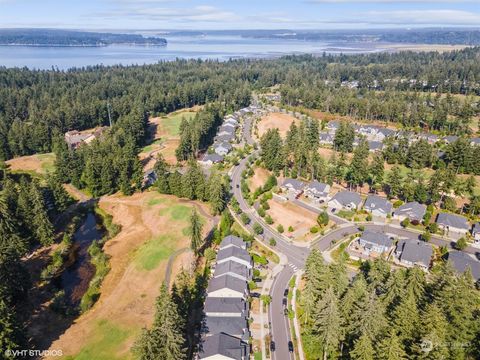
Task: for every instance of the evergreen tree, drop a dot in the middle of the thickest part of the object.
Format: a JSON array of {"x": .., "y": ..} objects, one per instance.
[
  {"x": 216, "y": 193},
  {"x": 363, "y": 349},
  {"x": 390, "y": 348},
  {"x": 196, "y": 227}
]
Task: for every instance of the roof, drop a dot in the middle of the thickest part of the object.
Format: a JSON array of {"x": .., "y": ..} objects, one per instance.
[
  {"x": 375, "y": 145},
  {"x": 376, "y": 238},
  {"x": 223, "y": 144},
  {"x": 375, "y": 202},
  {"x": 225, "y": 305},
  {"x": 318, "y": 186},
  {"x": 214, "y": 158},
  {"x": 386, "y": 131},
  {"x": 450, "y": 138},
  {"x": 452, "y": 220},
  {"x": 225, "y": 138},
  {"x": 232, "y": 240},
  {"x": 461, "y": 261},
  {"x": 415, "y": 251},
  {"x": 327, "y": 137},
  {"x": 232, "y": 267},
  {"x": 476, "y": 228},
  {"x": 413, "y": 210},
  {"x": 227, "y": 128},
  {"x": 294, "y": 183},
  {"x": 333, "y": 124},
  {"x": 347, "y": 197},
  {"x": 229, "y": 325},
  {"x": 226, "y": 282},
  {"x": 222, "y": 344},
  {"x": 475, "y": 141},
  {"x": 233, "y": 251}
]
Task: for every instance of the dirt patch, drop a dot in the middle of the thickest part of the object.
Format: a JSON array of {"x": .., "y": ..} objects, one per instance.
[
  {"x": 289, "y": 214},
  {"x": 259, "y": 178},
  {"x": 39, "y": 163},
  {"x": 153, "y": 228},
  {"x": 276, "y": 120}
]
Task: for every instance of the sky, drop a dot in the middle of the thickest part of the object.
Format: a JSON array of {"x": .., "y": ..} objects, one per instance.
[{"x": 238, "y": 14}]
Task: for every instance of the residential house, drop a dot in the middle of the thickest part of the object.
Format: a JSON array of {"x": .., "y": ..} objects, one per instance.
[
  {"x": 233, "y": 268},
  {"x": 431, "y": 138},
  {"x": 345, "y": 200},
  {"x": 476, "y": 232},
  {"x": 149, "y": 178},
  {"x": 222, "y": 148},
  {"x": 227, "y": 287},
  {"x": 225, "y": 138},
  {"x": 232, "y": 240},
  {"x": 332, "y": 126},
  {"x": 378, "y": 206},
  {"x": 293, "y": 187},
  {"x": 226, "y": 307},
  {"x": 234, "y": 326},
  {"x": 326, "y": 138},
  {"x": 375, "y": 146},
  {"x": 223, "y": 347},
  {"x": 374, "y": 242},
  {"x": 450, "y": 139},
  {"x": 453, "y": 223},
  {"x": 317, "y": 191},
  {"x": 210, "y": 159},
  {"x": 414, "y": 253},
  {"x": 235, "y": 254},
  {"x": 461, "y": 261},
  {"x": 413, "y": 211},
  {"x": 75, "y": 139},
  {"x": 475, "y": 141}
]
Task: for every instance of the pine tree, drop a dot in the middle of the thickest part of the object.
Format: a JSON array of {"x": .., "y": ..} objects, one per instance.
[
  {"x": 165, "y": 339},
  {"x": 434, "y": 332},
  {"x": 41, "y": 224},
  {"x": 11, "y": 334},
  {"x": 363, "y": 349},
  {"x": 196, "y": 227},
  {"x": 390, "y": 348},
  {"x": 376, "y": 171},
  {"x": 216, "y": 193}
]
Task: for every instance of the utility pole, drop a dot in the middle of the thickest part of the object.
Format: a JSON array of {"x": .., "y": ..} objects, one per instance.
[{"x": 109, "y": 115}]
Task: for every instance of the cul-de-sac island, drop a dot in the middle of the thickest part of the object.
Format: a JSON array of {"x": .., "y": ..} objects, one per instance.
[{"x": 290, "y": 206}]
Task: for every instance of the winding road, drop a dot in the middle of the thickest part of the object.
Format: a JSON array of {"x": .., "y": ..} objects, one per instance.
[{"x": 295, "y": 255}]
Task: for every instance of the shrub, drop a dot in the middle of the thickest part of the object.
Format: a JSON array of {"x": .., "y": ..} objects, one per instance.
[
  {"x": 461, "y": 244},
  {"x": 266, "y": 299},
  {"x": 361, "y": 228},
  {"x": 397, "y": 203},
  {"x": 290, "y": 228},
  {"x": 245, "y": 219},
  {"x": 256, "y": 273},
  {"x": 272, "y": 242},
  {"x": 426, "y": 236},
  {"x": 369, "y": 217},
  {"x": 261, "y": 212},
  {"x": 266, "y": 206},
  {"x": 433, "y": 228},
  {"x": 252, "y": 285},
  {"x": 323, "y": 219},
  {"x": 259, "y": 259},
  {"x": 210, "y": 254},
  {"x": 314, "y": 229},
  {"x": 257, "y": 228},
  {"x": 405, "y": 222},
  {"x": 268, "y": 220},
  {"x": 280, "y": 228}
]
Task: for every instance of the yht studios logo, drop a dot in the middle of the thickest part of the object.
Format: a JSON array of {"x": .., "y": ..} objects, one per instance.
[{"x": 426, "y": 345}]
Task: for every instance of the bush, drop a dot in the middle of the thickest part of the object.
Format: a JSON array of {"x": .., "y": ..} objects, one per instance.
[
  {"x": 461, "y": 244},
  {"x": 265, "y": 206},
  {"x": 261, "y": 212},
  {"x": 323, "y": 219},
  {"x": 252, "y": 285},
  {"x": 433, "y": 228},
  {"x": 256, "y": 273},
  {"x": 426, "y": 236},
  {"x": 280, "y": 228},
  {"x": 257, "y": 228},
  {"x": 361, "y": 228},
  {"x": 268, "y": 220},
  {"x": 405, "y": 222},
  {"x": 259, "y": 259},
  {"x": 369, "y": 217},
  {"x": 266, "y": 299},
  {"x": 272, "y": 242},
  {"x": 210, "y": 254},
  {"x": 245, "y": 219},
  {"x": 397, "y": 203},
  {"x": 314, "y": 229},
  {"x": 290, "y": 228}
]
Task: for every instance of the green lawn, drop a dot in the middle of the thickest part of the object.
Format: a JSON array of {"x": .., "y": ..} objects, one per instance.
[
  {"x": 106, "y": 341},
  {"x": 149, "y": 148},
  {"x": 154, "y": 251},
  {"x": 171, "y": 123},
  {"x": 177, "y": 212},
  {"x": 48, "y": 162},
  {"x": 153, "y": 202}
]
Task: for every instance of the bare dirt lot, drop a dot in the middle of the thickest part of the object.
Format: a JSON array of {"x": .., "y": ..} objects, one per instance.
[
  {"x": 39, "y": 163},
  {"x": 276, "y": 120},
  {"x": 154, "y": 227},
  {"x": 259, "y": 178},
  {"x": 289, "y": 214}
]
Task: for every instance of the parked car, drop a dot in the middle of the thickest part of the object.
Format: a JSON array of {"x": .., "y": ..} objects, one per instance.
[
  {"x": 285, "y": 293},
  {"x": 290, "y": 346},
  {"x": 284, "y": 301},
  {"x": 255, "y": 295},
  {"x": 272, "y": 345},
  {"x": 285, "y": 312}
]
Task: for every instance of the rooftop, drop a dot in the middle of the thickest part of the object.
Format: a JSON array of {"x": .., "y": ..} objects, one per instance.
[
  {"x": 225, "y": 305},
  {"x": 453, "y": 220},
  {"x": 233, "y": 240},
  {"x": 347, "y": 197},
  {"x": 461, "y": 261},
  {"x": 229, "y": 325},
  {"x": 413, "y": 210},
  {"x": 376, "y": 238},
  {"x": 223, "y": 344},
  {"x": 235, "y": 252},
  {"x": 375, "y": 202},
  {"x": 415, "y": 251},
  {"x": 294, "y": 183},
  {"x": 226, "y": 282}
]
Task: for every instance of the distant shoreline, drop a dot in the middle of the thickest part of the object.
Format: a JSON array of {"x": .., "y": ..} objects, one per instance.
[{"x": 86, "y": 45}]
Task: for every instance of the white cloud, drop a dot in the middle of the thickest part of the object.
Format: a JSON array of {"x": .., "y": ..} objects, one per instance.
[
  {"x": 422, "y": 17},
  {"x": 390, "y": 1}
]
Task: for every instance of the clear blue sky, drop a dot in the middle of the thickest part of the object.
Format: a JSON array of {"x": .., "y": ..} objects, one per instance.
[{"x": 238, "y": 14}]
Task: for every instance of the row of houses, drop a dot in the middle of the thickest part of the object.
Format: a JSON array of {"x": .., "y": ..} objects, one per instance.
[
  {"x": 225, "y": 333},
  {"x": 377, "y": 206},
  {"x": 222, "y": 144},
  {"x": 375, "y": 135},
  {"x": 410, "y": 252}
]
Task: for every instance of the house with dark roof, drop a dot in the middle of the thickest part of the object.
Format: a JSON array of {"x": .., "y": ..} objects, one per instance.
[
  {"x": 233, "y": 268},
  {"x": 378, "y": 206},
  {"x": 333, "y": 125},
  {"x": 476, "y": 232},
  {"x": 234, "y": 326},
  {"x": 234, "y": 254},
  {"x": 210, "y": 159},
  {"x": 475, "y": 141},
  {"x": 374, "y": 242},
  {"x": 453, "y": 223},
  {"x": 232, "y": 240},
  {"x": 226, "y": 307},
  {"x": 227, "y": 287},
  {"x": 223, "y": 347},
  {"x": 413, "y": 211},
  {"x": 293, "y": 187},
  {"x": 461, "y": 261},
  {"x": 222, "y": 148},
  {"x": 317, "y": 191},
  {"x": 345, "y": 200},
  {"x": 326, "y": 138},
  {"x": 225, "y": 138},
  {"x": 149, "y": 178},
  {"x": 374, "y": 146},
  {"x": 450, "y": 139},
  {"x": 414, "y": 253}
]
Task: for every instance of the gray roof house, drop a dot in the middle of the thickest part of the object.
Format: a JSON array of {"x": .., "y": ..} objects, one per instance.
[
  {"x": 227, "y": 287},
  {"x": 293, "y": 186},
  {"x": 476, "y": 232},
  {"x": 414, "y": 253},
  {"x": 374, "y": 146},
  {"x": 461, "y": 261},
  {"x": 234, "y": 254},
  {"x": 326, "y": 138},
  {"x": 317, "y": 191},
  {"x": 333, "y": 125},
  {"x": 475, "y": 141},
  {"x": 345, "y": 199},
  {"x": 450, "y": 139},
  {"x": 414, "y": 211},
  {"x": 222, "y": 148},
  {"x": 223, "y": 346},
  {"x": 452, "y": 222},
  {"x": 210, "y": 159},
  {"x": 232, "y": 240},
  {"x": 226, "y": 307},
  {"x": 234, "y": 269},
  {"x": 375, "y": 242},
  {"x": 378, "y": 206},
  {"x": 149, "y": 178},
  {"x": 235, "y": 326},
  {"x": 225, "y": 138}
]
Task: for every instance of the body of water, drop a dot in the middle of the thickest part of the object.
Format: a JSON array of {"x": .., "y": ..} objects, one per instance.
[{"x": 185, "y": 47}]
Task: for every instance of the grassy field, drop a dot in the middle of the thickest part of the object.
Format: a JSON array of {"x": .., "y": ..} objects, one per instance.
[
  {"x": 38, "y": 164},
  {"x": 171, "y": 122}
]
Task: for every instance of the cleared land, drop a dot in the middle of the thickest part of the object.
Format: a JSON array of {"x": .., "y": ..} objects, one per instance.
[
  {"x": 259, "y": 178},
  {"x": 276, "y": 120},
  {"x": 289, "y": 214},
  {"x": 164, "y": 137},
  {"x": 154, "y": 227},
  {"x": 39, "y": 163}
]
